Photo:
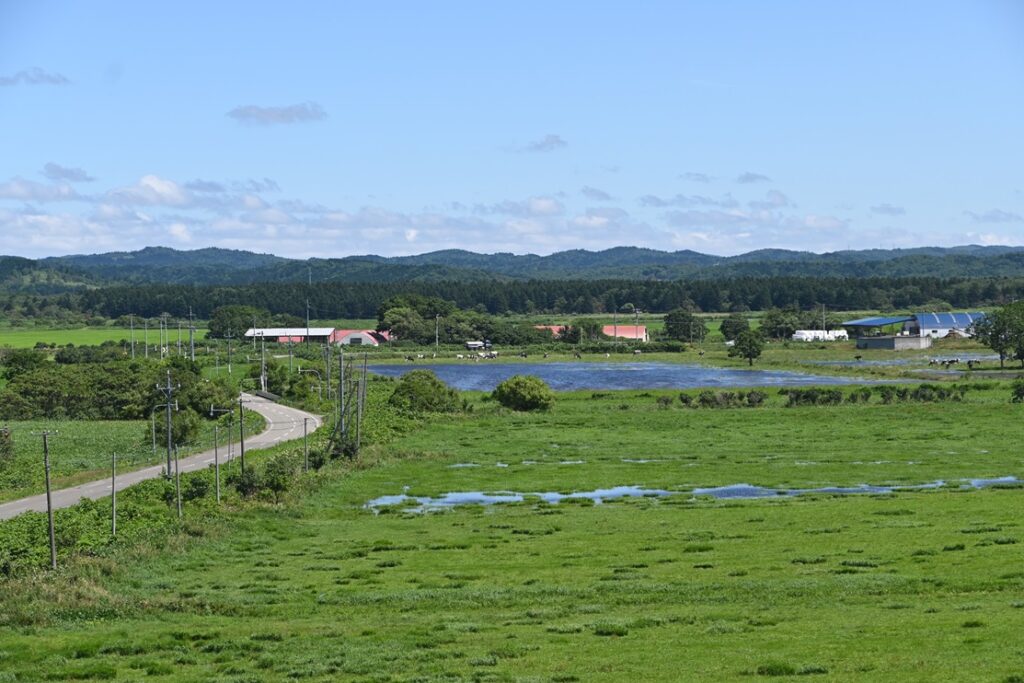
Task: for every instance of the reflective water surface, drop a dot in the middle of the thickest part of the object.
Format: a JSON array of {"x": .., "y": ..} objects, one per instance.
[{"x": 485, "y": 375}]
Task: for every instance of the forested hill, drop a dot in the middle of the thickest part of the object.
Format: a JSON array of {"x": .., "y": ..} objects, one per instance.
[{"x": 231, "y": 267}]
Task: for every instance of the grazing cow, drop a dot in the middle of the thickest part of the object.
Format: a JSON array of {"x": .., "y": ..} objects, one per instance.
[
  {"x": 410, "y": 359},
  {"x": 577, "y": 354},
  {"x": 607, "y": 355},
  {"x": 545, "y": 355},
  {"x": 459, "y": 356},
  {"x": 858, "y": 357},
  {"x": 637, "y": 352}
]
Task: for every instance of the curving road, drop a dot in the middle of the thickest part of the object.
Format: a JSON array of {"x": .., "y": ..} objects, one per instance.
[{"x": 283, "y": 424}]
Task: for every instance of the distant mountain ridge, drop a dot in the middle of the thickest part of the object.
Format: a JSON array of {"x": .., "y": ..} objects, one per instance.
[{"x": 214, "y": 266}]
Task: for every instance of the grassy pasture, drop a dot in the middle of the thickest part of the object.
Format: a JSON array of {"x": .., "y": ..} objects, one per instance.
[
  {"x": 918, "y": 586},
  {"x": 80, "y": 451},
  {"x": 21, "y": 338}
]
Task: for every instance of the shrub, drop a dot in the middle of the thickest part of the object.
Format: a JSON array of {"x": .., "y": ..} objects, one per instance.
[
  {"x": 707, "y": 399},
  {"x": 755, "y": 398},
  {"x": 664, "y": 402},
  {"x": 1017, "y": 391},
  {"x": 247, "y": 483},
  {"x": 524, "y": 392},
  {"x": 197, "y": 487},
  {"x": 420, "y": 391},
  {"x": 278, "y": 475},
  {"x": 686, "y": 399}
]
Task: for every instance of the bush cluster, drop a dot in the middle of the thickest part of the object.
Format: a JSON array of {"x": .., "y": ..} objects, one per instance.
[
  {"x": 420, "y": 391},
  {"x": 524, "y": 392},
  {"x": 724, "y": 399},
  {"x": 923, "y": 393},
  {"x": 1017, "y": 390}
]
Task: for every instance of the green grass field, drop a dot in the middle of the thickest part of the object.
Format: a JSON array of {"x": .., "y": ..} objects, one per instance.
[
  {"x": 21, "y": 338},
  {"x": 912, "y": 586},
  {"x": 80, "y": 451}
]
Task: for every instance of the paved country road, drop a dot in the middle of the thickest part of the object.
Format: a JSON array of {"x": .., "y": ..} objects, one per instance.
[{"x": 283, "y": 424}]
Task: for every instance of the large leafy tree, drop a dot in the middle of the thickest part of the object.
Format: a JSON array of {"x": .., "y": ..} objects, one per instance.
[
  {"x": 1003, "y": 332},
  {"x": 749, "y": 345},
  {"x": 780, "y": 324},
  {"x": 683, "y": 325},
  {"x": 733, "y": 325}
]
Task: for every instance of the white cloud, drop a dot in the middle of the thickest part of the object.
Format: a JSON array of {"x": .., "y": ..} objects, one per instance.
[
  {"x": 151, "y": 190},
  {"x": 748, "y": 177},
  {"x": 772, "y": 200},
  {"x": 995, "y": 216},
  {"x": 726, "y": 201},
  {"x": 31, "y": 191},
  {"x": 548, "y": 143},
  {"x": 74, "y": 175},
  {"x": 595, "y": 194},
  {"x": 534, "y": 206},
  {"x": 180, "y": 232},
  {"x": 888, "y": 210},
  {"x": 252, "y": 114},
  {"x": 34, "y": 76}
]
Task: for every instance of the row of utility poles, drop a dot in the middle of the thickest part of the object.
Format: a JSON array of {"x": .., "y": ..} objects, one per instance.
[
  {"x": 165, "y": 336},
  {"x": 168, "y": 389},
  {"x": 346, "y": 438}
]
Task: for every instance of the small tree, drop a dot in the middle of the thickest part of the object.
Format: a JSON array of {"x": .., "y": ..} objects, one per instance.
[
  {"x": 733, "y": 325},
  {"x": 278, "y": 476},
  {"x": 1003, "y": 332},
  {"x": 420, "y": 391},
  {"x": 247, "y": 483},
  {"x": 524, "y": 392},
  {"x": 749, "y": 345},
  {"x": 1017, "y": 391}
]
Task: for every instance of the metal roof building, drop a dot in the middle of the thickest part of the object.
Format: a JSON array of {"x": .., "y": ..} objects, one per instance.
[
  {"x": 943, "y": 324},
  {"x": 878, "y": 321},
  {"x": 292, "y": 334}
]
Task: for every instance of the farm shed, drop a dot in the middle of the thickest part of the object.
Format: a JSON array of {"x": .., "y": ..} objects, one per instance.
[
  {"x": 359, "y": 337},
  {"x": 283, "y": 335},
  {"x": 634, "y": 332}
]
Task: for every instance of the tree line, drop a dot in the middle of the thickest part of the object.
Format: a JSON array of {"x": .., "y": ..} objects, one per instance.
[{"x": 363, "y": 300}]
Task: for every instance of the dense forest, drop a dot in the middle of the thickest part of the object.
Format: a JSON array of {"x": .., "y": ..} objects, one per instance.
[
  {"x": 153, "y": 281},
  {"x": 362, "y": 300},
  {"x": 211, "y": 266}
]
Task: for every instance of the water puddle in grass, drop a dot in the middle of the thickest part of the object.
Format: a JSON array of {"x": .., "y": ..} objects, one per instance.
[
  {"x": 449, "y": 500},
  {"x": 733, "y": 491}
]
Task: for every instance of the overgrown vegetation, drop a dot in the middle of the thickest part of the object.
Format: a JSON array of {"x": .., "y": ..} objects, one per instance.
[
  {"x": 524, "y": 392},
  {"x": 420, "y": 391}
]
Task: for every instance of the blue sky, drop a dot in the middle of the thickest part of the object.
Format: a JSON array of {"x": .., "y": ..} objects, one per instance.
[{"x": 338, "y": 128}]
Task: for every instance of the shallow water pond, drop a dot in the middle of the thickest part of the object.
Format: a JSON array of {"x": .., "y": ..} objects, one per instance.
[
  {"x": 485, "y": 375},
  {"x": 733, "y": 491}
]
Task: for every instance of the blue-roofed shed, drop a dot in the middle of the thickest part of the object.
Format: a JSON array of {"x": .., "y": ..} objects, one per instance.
[
  {"x": 938, "y": 325},
  {"x": 878, "y": 321}
]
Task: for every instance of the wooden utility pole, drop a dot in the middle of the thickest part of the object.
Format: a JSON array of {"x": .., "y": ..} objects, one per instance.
[
  {"x": 49, "y": 501},
  {"x": 241, "y": 436},
  {"x": 113, "y": 494},
  {"x": 168, "y": 392},
  {"x": 177, "y": 481},
  {"x": 305, "y": 444},
  {"x": 216, "y": 458}
]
